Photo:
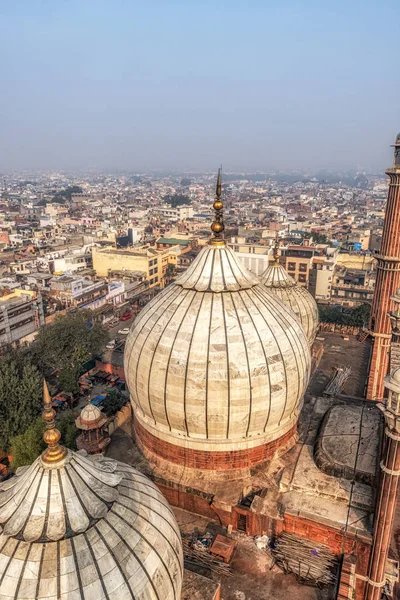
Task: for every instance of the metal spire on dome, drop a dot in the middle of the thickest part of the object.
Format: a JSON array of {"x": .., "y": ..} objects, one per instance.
[
  {"x": 275, "y": 252},
  {"x": 54, "y": 452},
  {"x": 217, "y": 226}
]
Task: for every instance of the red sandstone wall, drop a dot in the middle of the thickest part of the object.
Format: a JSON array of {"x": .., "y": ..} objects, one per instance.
[
  {"x": 198, "y": 459},
  {"x": 333, "y": 538}
]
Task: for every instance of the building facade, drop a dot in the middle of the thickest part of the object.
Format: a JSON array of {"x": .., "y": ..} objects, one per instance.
[{"x": 21, "y": 315}]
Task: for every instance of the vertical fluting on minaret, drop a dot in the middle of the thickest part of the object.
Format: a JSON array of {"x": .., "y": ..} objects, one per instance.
[
  {"x": 394, "y": 316},
  {"x": 387, "y": 495},
  {"x": 387, "y": 282}
]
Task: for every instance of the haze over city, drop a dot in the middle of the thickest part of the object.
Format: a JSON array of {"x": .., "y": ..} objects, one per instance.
[{"x": 186, "y": 85}]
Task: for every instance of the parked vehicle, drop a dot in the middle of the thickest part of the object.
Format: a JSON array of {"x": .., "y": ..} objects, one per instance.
[
  {"x": 98, "y": 400},
  {"x": 111, "y": 345},
  {"x": 125, "y": 317},
  {"x": 124, "y": 331}
]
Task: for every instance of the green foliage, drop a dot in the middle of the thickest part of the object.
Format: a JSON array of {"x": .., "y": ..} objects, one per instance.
[
  {"x": 186, "y": 181},
  {"x": 177, "y": 200},
  {"x": 27, "y": 446},
  {"x": 170, "y": 270},
  {"x": 69, "y": 432},
  {"x": 64, "y": 195},
  {"x": 319, "y": 238},
  {"x": 354, "y": 317},
  {"x": 114, "y": 402},
  {"x": 21, "y": 389},
  {"x": 66, "y": 344}
]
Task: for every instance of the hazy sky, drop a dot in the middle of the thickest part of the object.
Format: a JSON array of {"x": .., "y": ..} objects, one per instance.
[{"x": 195, "y": 83}]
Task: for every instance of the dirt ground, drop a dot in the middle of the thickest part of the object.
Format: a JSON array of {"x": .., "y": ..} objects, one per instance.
[
  {"x": 253, "y": 578},
  {"x": 339, "y": 352}
]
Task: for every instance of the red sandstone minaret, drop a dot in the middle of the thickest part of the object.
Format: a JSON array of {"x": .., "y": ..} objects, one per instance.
[
  {"x": 387, "y": 282},
  {"x": 388, "y": 489}
]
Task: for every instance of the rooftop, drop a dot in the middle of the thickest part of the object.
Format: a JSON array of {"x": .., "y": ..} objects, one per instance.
[{"x": 173, "y": 241}]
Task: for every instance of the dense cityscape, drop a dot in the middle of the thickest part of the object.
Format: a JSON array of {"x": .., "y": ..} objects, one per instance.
[{"x": 99, "y": 242}]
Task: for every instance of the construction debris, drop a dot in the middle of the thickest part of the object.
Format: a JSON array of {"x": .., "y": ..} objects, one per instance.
[
  {"x": 337, "y": 382},
  {"x": 196, "y": 554},
  {"x": 312, "y": 563}
]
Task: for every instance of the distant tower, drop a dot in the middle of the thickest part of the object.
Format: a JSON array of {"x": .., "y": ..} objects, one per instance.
[{"x": 387, "y": 282}]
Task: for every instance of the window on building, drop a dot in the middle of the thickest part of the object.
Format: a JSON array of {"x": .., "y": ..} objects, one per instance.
[
  {"x": 303, "y": 267},
  {"x": 291, "y": 266},
  {"x": 302, "y": 279}
]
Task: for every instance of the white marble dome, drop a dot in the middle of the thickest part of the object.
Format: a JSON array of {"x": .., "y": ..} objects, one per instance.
[
  {"x": 91, "y": 413},
  {"x": 87, "y": 528},
  {"x": 278, "y": 281},
  {"x": 215, "y": 361}
]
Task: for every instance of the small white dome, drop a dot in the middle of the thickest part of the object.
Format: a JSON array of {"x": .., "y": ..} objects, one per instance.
[
  {"x": 216, "y": 362},
  {"x": 90, "y": 413},
  {"x": 278, "y": 281}
]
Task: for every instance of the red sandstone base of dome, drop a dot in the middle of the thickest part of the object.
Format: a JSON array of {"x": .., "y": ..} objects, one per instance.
[{"x": 216, "y": 460}]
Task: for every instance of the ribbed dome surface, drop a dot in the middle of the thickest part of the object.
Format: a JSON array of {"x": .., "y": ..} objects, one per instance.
[
  {"x": 87, "y": 528},
  {"x": 215, "y": 361},
  {"x": 90, "y": 413},
  {"x": 278, "y": 281}
]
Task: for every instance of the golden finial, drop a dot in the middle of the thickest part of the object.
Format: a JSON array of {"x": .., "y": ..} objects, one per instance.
[
  {"x": 54, "y": 452},
  {"x": 218, "y": 226},
  {"x": 275, "y": 253}
]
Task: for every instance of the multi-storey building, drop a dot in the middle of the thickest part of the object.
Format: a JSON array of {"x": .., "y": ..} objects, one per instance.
[
  {"x": 21, "y": 315},
  {"x": 298, "y": 262},
  {"x": 78, "y": 292},
  {"x": 143, "y": 259}
]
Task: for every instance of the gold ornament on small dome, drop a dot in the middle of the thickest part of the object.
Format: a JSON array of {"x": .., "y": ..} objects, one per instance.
[
  {"x": 54, "y": 452},
  {"x": 217, "y": 226},
  {"x": 276, "y": 251}
]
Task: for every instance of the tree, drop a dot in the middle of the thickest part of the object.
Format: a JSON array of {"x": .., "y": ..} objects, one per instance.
[
  {"x": 114, "y": 402},
  {"x": 66, "y": 344},
  {"x": 66, "y": 425},
  {"x": 319, "y": 238},
  {"x": 63, "y": 195},
  {"x": 21, "y": 390},
  {"x": 177, "y": 200},
  {"x": 26, "y": 447},
  {"x": 355, "y": 317}
]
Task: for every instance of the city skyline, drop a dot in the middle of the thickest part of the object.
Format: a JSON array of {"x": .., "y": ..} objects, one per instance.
[{"x": 181, "y": 87}]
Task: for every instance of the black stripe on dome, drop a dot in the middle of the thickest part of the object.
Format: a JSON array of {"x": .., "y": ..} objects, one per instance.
[
  {"x": 171, "y": 352},
  {"x": 155, "y": 527},
  {"x": 248, "y": 365},
  {"x": 208, "y": 360},
  {"x": 228, "y": 368},
  {"x": 116, "y": 561},
  {"x": 96, "y": 566},
  {"x": 10, "y": 558},
  {"x": 131, "y": 550},
  {"x": 22, "y": 573},
  {"x": 188, "y": 361},
  {"x": 77, "y": 571},
  {"x": 264, "y": 351},
  {"x": 33, "y": 501},
  {"x": 167, "y": 300}
]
